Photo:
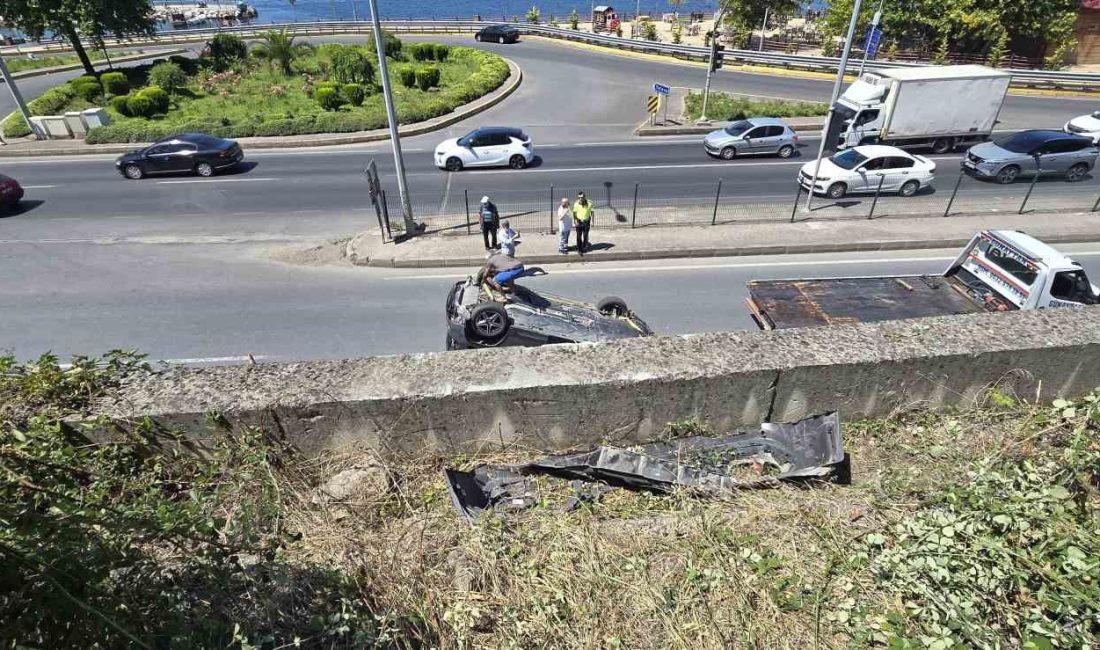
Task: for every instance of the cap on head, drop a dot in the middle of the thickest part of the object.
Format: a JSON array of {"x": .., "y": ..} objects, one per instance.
[
  {"x": 484, "y": 199},
  {"x": 580, "y": 195}
]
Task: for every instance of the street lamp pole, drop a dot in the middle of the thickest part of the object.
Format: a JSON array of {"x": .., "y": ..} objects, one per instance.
[
  {"x": 710, "y": 61},
  {"x": 832, "y": 102},
  {"x": 763, "y": 28},
  {"x": 18, "y": 97},
  {"x": 874, "y": 25},
  {"x": 391, "y": 116}
]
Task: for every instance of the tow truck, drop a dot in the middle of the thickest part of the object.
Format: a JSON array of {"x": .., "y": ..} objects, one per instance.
[{"x": 999, "y": 270}]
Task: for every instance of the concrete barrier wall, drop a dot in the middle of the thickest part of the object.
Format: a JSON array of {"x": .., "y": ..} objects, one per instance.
[{"x": 561, "y": 396}]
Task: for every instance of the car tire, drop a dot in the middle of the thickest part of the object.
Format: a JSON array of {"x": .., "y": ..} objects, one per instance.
[
  {"x": 488, "y": 324},
  {"x": 613, "y": 306},
  {"x": 453, "y": 164},
  {"x": 786, "y": 151},
  {"x": 133, "y": 172},
  {"x": 909, "y": 188},
  {"x": 1077, "y": 172},
  {"x": 728, "y": 153},
  {"x": 1008, "y": 174},
  {"x": 477, "y": 37},
  {"x": 836, "y": 191},
  {"x": 517, "y": 162},
  {"x": 500, "y": 40},
  {"x": 204, "y": 169},
  {"x": 942, "y": 145}
]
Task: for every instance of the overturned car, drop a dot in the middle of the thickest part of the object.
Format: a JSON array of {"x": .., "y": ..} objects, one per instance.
[{"x": 478, "y": 316}]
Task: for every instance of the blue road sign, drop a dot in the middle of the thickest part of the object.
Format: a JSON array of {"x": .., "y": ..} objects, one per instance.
[
  {"x": 874, "y": 35},
  {"x": 661, "y": 89}
]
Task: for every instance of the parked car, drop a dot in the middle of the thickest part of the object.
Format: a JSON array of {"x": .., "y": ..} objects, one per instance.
[
  {"x": 861, "y": 169},
  {"x": 197, "y": 153},
  {"x": 10, "y": 193},
  {"x": 476, "y": 319},
  {"x": 756, "y": 135},
  {"x": 497, "y": 34},
  {"x": 1085, "y": 125},
  {"x": 494, "y": 146},
  {"x": 1029, "y": 152}
]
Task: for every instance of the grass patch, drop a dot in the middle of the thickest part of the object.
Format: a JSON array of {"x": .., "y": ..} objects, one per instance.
[
  {"x": 726, "y": 107},
  {"x": 22, "y": 64},
  {"x": 967, "y": 529}
]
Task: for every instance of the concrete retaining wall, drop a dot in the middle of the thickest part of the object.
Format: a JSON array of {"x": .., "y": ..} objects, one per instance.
[{"x": 555, "y": 397}]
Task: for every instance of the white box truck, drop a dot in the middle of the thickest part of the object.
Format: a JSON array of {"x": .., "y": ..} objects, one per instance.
[{"x": 937, "y": 107}]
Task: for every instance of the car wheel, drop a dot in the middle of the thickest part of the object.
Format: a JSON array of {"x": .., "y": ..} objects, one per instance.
[
  {"x": 517, "y": 162},
  {"x": 909, "y": 188},
  {"x": 728, "y": 153},
  {"x": 454, "y": 164},
  {"x": 942, "y": 145},
  {"x": 133, "y": 172},
  {"x": 477, "y": 37},
  {"x": 612, "y": 306},
  {"x": 501, "y": 40},
  {"x": 204, "y": 169},
  {"x": 836, "y": 191},
  {"x": 1008, "y": 174},
  {"x": 1077, "y": 172},
  {"x": 786, "y": 151},
  {"x": 488, "y": 324}
]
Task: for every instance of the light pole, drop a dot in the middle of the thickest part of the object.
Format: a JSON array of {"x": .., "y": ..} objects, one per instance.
[
  {"x": 391, "y": 116},
  {"x": 710, "y": 62},
  {"x": 874, "y": 25},
  {"x": 18, "y": 97},
  {"x": 832, "y": 102},
  {"x": 763, "y": 28}
]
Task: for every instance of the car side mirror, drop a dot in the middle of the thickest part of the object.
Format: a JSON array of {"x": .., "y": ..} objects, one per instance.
[{"x": 861, "y": 170}]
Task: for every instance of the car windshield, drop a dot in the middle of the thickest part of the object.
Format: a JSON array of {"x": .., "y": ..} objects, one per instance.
[
  {"x": 738, "y": 127},
  {"x": 1023, "y": 142},
  {"x": 848, "y": 159},
  {"x": 465, "y": 140}
]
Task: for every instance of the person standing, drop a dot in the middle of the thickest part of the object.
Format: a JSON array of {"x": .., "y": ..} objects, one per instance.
[
  {"x": 565, "y": 225},
  {"x": 489, "y": 220},
  {"x": 582, "y": 221}
]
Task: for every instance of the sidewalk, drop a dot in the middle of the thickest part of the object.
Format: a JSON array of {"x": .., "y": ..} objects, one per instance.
[{"x": 654, "y": 242}]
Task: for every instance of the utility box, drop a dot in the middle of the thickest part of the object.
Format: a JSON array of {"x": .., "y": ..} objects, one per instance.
[
  {"x": 75, "y": 124},
  {"x": 56, "y": 128},
  {"x": 95, "y": 118}
]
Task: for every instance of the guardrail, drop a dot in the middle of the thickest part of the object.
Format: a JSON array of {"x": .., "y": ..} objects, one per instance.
[{"x": 1021, "y": 77}]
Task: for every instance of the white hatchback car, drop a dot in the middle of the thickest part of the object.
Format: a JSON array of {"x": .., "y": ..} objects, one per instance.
[
  {"x": 492, "y": 146},
  {"x": 862, "y": 169}
]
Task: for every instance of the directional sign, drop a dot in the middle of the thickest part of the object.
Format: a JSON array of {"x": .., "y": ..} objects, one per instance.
[
  {"x": 652, "y": 103},
  {"x": 874, "y": 35},
  {"x": 661, "y": 89}
]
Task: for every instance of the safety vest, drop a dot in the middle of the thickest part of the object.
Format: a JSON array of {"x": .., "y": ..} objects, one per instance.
[{"x": 582, "y": 212}]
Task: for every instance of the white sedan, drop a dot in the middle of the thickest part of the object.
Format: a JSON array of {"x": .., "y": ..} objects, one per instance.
[
  {"x": 1086, "y": 125},
  {"x": 862, "y": 169}
]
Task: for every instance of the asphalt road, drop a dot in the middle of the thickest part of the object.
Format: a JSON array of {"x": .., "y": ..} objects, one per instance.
[{"x": 220, "y": 303}]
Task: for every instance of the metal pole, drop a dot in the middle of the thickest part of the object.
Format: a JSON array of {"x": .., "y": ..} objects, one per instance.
[
  {"x": 103, "y": 46},
  {"x": 1095, "y": 206},
  {"x": 18, "y": 97},
  {"x": 714, "y": 215},
  {"x": 797, "y": 196},
  {"x": 466, "y": 196},
  {"x": 1034, "y": 179},
  {"x": 710, "y": 64},
  {"x": 881, "y": 178},
  {"x": 836, "y": 93},
  {"x": 956, "y": 191},
  {"x": 874, "y": 25},
  {"x": 391, "y": 116},
  {"x": 634, "y": 210},
  {"x": 551, "y": 209},
  {"x": 763, "y": 28}
]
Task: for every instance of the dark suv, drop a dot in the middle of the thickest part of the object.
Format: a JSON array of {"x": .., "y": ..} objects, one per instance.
[
  {"x": 497, "y": 34},
  {"x": 1029, "y": 152}
]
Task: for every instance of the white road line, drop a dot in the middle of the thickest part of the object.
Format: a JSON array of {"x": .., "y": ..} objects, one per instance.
[
  {"x": 217, "y": 180},
  {"x": 38, "y": 187}
]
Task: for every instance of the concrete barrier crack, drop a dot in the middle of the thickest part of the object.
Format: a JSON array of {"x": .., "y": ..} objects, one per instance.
[{"x": 773, "y": 392}]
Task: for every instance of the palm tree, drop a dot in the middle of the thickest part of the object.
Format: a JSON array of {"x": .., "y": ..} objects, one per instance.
[{"x": 279, "y": 48}]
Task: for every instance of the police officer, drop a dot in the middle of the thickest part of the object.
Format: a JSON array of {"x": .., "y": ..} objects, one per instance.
[{"x": 582, "y": 221}]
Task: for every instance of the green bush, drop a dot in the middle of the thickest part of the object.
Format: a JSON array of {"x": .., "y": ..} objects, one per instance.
[
  {"x": 115, "y": 83},
  {"x": 187, "y": 64},
  {"x": 87, "y": 87},
  {"x": 141, "y": 106},
  {"x": 441, "y": 51},
  {"x": 53, "y": 101},
  {"x": 354, "y": 93},
  {"x": 328, "y": 98},
  {"x": 422, "y": 51},
  {"x": 427, "y": 77},
  {"x": 226, "y": 50},
  {"x": 350, "y": 65},
  {"x": 121, "y": 104},
  {"x": 391, "y": 45},
  {"x": 168, "y": 76},
  {"x": 158, "y": 96},
  {"x": 407, "y": 75}
]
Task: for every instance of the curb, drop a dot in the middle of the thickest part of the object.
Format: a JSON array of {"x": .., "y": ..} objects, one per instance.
[
  {"x": 463, "y": 112},
  {"x": 39, "y": 72}
]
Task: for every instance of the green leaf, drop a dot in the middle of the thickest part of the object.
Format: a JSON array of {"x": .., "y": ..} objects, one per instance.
[
  {"x": 1057, "y": 492},
  {"x": 1061, "y": 403}
]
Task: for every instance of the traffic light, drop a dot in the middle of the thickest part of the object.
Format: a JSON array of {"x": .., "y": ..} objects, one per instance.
[{"x": 716, "y": 54}]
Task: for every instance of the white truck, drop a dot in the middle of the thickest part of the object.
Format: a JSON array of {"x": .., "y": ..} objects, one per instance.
[
  {"x": 937, "y": 107},
  {"x": 999, "y": 270}
]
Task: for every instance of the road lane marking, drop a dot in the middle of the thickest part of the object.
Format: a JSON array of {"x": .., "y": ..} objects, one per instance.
[
  {"x": 217, "y": 180},
  {"x": 38, "y": 187}
]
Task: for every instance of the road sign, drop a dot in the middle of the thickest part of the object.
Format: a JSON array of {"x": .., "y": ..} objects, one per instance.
[
  {"x": 652, "y": 103},
  {"x": 874, "y": 35},
  {"x": 661, "y": 89}
]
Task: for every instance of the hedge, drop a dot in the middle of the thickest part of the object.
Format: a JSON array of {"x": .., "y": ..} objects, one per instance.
[
  {"x": 427, "y": 77},
  {"x": 121, "y": 104},
  {"x": 328, "y": 98},
  {"x": 158, "y": 96},
  {"x": 115, "y": 83},
  {"x": 354, "y": 93},
  {"x": 407, "y": 75}
]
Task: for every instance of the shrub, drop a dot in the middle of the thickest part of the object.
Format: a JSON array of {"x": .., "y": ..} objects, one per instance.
[
  {"x": 87, "y": 87},
  {"x": 227, "y": 49},
  {"x": 140, "y": 106},
  {"x": 441, "y": 51},
  {"x": 391, "y": 45},
  {"x": 187, "y": 64},
  {"x": 121, "y": 104},
  {"x": 158, "y": 96},
  {"x": 649, "y": 31},
  {"x": 115, "y": 83},
  {"x": 421, "y": 51},
  {"x": 328, "y": 98},
  {"x": 427, "y": 77},
  {"x": 534, "y": 15},
  {"x": 168, "y": 76},
  {"x": 407, "y": 75},
  {"x": 354, "y": 93},
  {"x": 350, "y": 65}
]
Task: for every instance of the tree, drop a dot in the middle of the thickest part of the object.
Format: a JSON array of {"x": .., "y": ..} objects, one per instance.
[
  {"x": 76, "y": 19},
  {"x": 534, "y": 15},
  {"x": 293, "y": 10},
  {"x": 279, "y": 48},
  {"x": 740, "y": 17}
]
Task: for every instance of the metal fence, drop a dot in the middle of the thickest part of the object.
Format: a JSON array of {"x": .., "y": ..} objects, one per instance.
[{"x": 637, "y": 205}]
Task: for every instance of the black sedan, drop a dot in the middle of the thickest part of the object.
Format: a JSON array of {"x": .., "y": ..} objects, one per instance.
[
  {"x": 196, "y": 153},
  {"x": 476, "y": 318},
  {"x": 497, "y": 34}
]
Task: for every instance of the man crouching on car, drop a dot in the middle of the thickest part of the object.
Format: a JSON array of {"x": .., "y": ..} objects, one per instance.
[{"x": 501, "y": 271}]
